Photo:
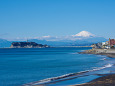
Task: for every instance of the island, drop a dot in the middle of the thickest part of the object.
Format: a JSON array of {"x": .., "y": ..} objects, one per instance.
[{"x": 27, "y": 45}]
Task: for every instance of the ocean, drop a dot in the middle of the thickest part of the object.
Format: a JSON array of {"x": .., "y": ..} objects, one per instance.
[{"x": 28, "y": 65}]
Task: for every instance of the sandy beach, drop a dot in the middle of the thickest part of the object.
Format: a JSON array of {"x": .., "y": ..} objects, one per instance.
[
  {"x": 104, "y": 80},
  {"x": 108, "y": 80}
]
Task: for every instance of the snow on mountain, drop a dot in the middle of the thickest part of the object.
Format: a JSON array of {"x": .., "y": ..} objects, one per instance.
[
  {"x": 79, "y": 36},
  {"x": 82, "y": 38},
  {"x": 84, "y": 34}
]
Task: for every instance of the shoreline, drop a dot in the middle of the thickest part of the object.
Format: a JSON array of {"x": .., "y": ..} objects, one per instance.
[
  {"x": 107, "y": 52},
  {"x": 71, "y": 75},
  {"x": 106, "y": 80}
]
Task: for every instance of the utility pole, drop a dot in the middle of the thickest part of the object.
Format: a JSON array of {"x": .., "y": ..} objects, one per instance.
[{"x": 109, "y": 41}]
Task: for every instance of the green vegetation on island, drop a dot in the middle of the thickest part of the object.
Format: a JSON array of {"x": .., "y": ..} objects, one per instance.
[{"x": 27, "y": 45}]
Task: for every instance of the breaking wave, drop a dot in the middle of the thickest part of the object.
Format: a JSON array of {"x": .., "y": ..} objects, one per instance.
[
  {"x": 100, "y": 68},
  {"x": 103, "y": 59},
  {"x": 67, "y": 76}
]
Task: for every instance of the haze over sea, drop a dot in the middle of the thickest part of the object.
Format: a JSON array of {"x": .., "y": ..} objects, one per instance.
[{"x": 22, "y": 66}]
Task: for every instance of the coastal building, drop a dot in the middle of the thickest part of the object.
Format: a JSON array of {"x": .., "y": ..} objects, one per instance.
[
  {"x": 108, "y": 44},
  {"x": 97, "y": 45},
  {"x": 112, "y": 43},
  {"x": 105, "y": 45}
]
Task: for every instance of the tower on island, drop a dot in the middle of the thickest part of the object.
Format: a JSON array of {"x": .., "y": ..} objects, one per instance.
[{"x": 27, "y": 40}]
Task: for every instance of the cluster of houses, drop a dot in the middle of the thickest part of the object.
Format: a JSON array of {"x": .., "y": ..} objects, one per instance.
[{"x": 105, "y": 45}]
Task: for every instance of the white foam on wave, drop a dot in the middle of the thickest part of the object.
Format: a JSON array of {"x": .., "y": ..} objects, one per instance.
[
  {"x": 74, "y": 53},
  {"x": 101, "y": 56},
  {"x": 103, "y": 59},
  {"x": 67, "y": 76},
  {"x": 100, "y": 68}
]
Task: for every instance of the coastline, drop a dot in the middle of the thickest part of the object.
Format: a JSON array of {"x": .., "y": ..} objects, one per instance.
[
  {"x": 71, "y": 76},
  {"x": 105, "y": 80},
  {"x": 107, "y": 52}
]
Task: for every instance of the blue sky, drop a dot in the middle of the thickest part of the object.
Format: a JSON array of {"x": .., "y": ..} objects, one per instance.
[{"x": 35, "y": 18}]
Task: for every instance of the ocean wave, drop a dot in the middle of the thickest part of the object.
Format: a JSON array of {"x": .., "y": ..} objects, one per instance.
[
  {"x": 74, "y": 53},
  {"x": 100, "y": 68},
  {"x": 103, "y": 59},
  {"x": 101, "y": 56},
  {"x": 67, "y": 76}
]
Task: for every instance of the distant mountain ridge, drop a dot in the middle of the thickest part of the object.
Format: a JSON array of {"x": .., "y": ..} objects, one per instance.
[
  {"x": 4, "y": 43},
  {"x": 84, "y": 38},
  {"x": 84, "y": 42}
]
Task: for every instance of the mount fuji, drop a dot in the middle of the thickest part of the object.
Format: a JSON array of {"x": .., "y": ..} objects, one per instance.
[
  {"x": 83, "y": 38},
  {"x": 85, "y": 34}
]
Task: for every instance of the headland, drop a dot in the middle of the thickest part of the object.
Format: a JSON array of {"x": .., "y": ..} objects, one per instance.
[
  {"x": 104, "y": 48},
  {"x": 107, "y": 52}
]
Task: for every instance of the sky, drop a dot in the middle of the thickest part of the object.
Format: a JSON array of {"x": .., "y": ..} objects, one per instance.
[{"x": 36, "y": 18}]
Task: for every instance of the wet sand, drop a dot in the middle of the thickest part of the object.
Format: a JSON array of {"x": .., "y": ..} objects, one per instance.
[{"x": 108, "y": 80}]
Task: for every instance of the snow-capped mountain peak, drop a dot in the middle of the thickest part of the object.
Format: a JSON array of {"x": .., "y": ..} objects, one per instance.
[{"x": 84, "y": 34}]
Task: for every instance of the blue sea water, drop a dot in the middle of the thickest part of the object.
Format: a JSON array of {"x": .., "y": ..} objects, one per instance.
[{"x": 21, "y": 66}]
